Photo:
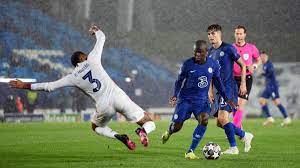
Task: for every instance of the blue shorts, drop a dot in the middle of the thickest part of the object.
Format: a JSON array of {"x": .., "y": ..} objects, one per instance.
[
  {"x": 185, "y": 108},
  {"x": 271, "y": 92},
  {"x": 220, "y": 103}
]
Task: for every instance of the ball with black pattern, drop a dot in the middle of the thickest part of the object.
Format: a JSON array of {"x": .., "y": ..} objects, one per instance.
[{"x": 211, "y": 151}]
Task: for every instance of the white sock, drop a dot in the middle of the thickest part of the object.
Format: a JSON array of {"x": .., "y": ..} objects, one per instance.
[
  {"x": 149, "y": 126},
  {"x": 106, "y": 131}
]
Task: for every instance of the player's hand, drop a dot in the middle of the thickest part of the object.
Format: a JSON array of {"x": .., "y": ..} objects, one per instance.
[
  {"x": 172, "y": 101},
  {"x": 232, "y": 104},
  {"x": 243, "y": 88},
  {"x": 211, "y": 97},
  {"x": 250, "y": 69},
  {"x": 17, "y": 84},
  {"x": 93, "y": 30}
]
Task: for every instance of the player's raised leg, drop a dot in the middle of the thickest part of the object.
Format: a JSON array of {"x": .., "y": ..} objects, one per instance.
[
  {"x": 99, "y": 126},
  {"x": 181, "y": 113},
  {"x": 147, "y": 126}
]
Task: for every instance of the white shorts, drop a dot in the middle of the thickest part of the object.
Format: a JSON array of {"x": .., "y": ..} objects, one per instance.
[{"x": 120, "y": 103}]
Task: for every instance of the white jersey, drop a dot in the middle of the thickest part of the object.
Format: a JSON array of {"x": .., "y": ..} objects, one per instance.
[{"x": 91, "y": 77}]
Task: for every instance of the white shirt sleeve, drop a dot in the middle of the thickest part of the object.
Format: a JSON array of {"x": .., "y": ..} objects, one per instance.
[
  {"x": 50, "y": 86},
  {"x": 95, "y": 54}
]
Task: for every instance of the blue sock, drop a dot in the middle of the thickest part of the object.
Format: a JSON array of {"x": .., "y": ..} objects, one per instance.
[
  {"x": 238, "y": 131},
  {"x": 229, "y": 130},
  {"x": 265, "y": 109},
  {"x": 197, "y": 136},
  {"x": 282, "y": 110}
]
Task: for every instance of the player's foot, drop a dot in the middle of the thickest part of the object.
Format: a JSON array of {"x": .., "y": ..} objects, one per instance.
[
  {"x": 269, "y": 121},
  {"x": 231, "y": 151},
  {"x": 191, "y": 155},
  {"x": 125, "y": 140},
  {"x": 165, "y": 137},
  {"x": 286, "y": 121},
  {"x": 247, "y": 140},
  {"x": 143, "y": 136}
]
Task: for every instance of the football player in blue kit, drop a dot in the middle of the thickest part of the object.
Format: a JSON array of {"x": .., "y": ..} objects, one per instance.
[
  {"x": 191, "y": 94},
  {"x": 271, "y": 90},
  {"x": 226, "y": 55}
]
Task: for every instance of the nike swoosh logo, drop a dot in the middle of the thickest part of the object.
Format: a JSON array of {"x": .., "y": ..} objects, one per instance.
[{"x": 193, "y": 71}]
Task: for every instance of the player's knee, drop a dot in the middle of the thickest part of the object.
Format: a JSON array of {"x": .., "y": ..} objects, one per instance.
[
  {"x": 262, "y": 102},
  {"x": 276, "y": 102},
  {"x": 204, "y": 119},
  {"x": 222, "y": 121}
]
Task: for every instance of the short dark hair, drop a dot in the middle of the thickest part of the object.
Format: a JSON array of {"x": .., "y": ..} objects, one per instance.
[
  {"x": 199, "y": 44},
  {"x": 241, "y": 27},
  {"x": 75, "y": 58},
  {"x": 214, "y": 27}
]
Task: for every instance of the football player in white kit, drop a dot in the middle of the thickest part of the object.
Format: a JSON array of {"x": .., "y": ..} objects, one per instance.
[{"x": 90, "y": 76}]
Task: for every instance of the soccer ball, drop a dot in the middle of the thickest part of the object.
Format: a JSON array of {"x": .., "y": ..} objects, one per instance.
[{"x": 211, "y": 151}]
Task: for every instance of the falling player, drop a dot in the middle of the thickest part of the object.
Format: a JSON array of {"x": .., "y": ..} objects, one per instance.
[
  {"x": 90, "y": 76},
  {"x": 271, "y": 90},
  {"x": 250, "y": 55},
  {"x": 191, "y": 95},
  {"x": 226, "y": 55}
]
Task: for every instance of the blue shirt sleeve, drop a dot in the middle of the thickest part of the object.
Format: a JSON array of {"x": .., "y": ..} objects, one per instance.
[
  {"x": 182, "y": 75},
  {"x": 217, "y": 80},
  {"x": 234, "y": 54}
]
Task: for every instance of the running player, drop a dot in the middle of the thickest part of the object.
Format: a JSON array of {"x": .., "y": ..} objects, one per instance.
[
  {"x": 90, "y": 76},
  {"x": 191, "y": 94},
  {"x": 271, "y": 90},
  {"x": 250, "y": 55},
  {"x": 226, "y": 54}
]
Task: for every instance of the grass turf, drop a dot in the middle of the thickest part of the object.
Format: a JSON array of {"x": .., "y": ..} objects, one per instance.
[{"x": 75, "y": 145}]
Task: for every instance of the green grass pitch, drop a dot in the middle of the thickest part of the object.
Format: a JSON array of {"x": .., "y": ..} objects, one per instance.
[{"x": 61, "y": 145}]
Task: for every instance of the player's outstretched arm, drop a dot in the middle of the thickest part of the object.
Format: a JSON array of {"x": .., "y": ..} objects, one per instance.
[
  {"x": 95, "y": 54},
  {"x": 47, "y": 86},
  {"x": 19, "y": 84}
]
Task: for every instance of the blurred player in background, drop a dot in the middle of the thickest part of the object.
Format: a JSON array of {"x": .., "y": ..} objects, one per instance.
[
  {"x": 226, "y": 54},
  {"x": 90, "y": 77},
  {"x": 250, "y": 55},
  {"x": 271, "y": 90},
  {"x": 191, "y": 94}
]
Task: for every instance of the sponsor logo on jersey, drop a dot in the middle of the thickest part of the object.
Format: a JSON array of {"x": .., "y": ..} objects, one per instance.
[
  {"x": 202, "y": 82},
  {"x": 210, "y": 70}
]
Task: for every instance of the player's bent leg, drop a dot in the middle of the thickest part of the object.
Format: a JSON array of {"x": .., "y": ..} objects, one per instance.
[
  {"x": 197, "y": 135},
  {"x": 108, "y": 132},
  {"x": 223, "y": 118},
  {"x": 147, "y": 126},
  {"x": 173, "y": 128}
]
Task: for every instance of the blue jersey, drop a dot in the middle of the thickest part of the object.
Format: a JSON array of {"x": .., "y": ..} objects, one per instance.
[
  {"x": 194, "y": 79},
  {"x": 269, "y": 73},
  {"x": 226, "y": 55}
]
